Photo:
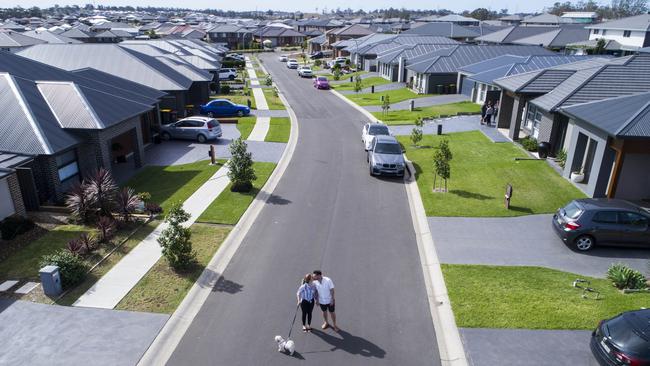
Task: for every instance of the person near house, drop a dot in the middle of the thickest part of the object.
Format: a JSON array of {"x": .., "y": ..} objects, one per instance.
[
  {"x": 306, "y": 295},
  {"x": 325, "y": 298},
  {"x": 488, "y": 113},
  {"x": 483, "y": 110}
]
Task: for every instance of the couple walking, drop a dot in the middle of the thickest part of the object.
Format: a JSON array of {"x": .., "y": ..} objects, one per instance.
[{"x": 319, "y": 290}]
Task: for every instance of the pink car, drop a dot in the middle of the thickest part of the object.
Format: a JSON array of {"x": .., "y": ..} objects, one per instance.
[{"x": 320, "y": 82}]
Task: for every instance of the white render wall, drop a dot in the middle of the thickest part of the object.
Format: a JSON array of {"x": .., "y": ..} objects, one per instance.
[{"x": 635, "y": 39}]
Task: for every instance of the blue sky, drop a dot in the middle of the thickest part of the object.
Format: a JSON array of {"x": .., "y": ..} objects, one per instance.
[{"x": 307, "y": 5}]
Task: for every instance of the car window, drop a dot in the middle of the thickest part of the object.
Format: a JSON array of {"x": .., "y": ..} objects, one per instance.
[
  {"x": 387, "y": 148},
  {"x": 631, "y": 218},
  {"x": 321, "y": 78},
  {"x": 213, "y": 124},
  {"x": 182, "y": 124},
  {"x": 605, "y": 217},
  {"x": 378, "y": 130},
  {"x": 572, "y": 210}
]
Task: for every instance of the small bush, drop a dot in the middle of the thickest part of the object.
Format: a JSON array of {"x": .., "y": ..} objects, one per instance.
[
  {"x": 624, "y": 277},
  {"x": 75, "y": 246},
  {"x": 529, "y": 143},
  {"x": 106, "y": 227},
  {"x": 13, "y": 226},
  {"x": 88, "y": 241},
  {"x": 72, "y": 269},
  {"x": 561, "y": 158},
  {"x": 225, "y": 89},
  {"x": 269, "y": 80},
  {"x": 318, "y": 62},
  {"x": 153, "y": 209},
  {"x": 144, "y": 196},
  {"x": 240, "y": 167},
  {"x": 175, "y": 240}
]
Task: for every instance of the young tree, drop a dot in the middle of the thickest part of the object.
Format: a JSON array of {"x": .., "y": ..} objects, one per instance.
[
  {"x": 240, "y": 167},
  {"x": 416, "y": 133},
  {"x": 385, "y": 105},
  {"x": 337, "y": 72},
  {"x": 358, "y": 84},
  {"x": 175, "y": 240},
  {"x": 441, "y": 158}
]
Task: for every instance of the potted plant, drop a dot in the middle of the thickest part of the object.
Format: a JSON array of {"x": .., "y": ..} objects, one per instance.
[{"x": 578, "y": 176}]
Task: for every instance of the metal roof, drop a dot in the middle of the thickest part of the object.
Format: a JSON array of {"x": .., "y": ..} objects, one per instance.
[
  {"x": 556, "y": 38},
  {"x": 624, "y": 117},
  {"x": 514, "y": 33},
  {"x": 50, "y": 37},
  {"x": 409, "y": 52},
  {"x": 9, "y": 161},
  {"x": 545, "y": 18},
  {"x": 634, "y": 23},
  {"x": 443, "y": 29},
  {"x": 14, "y": 39}
]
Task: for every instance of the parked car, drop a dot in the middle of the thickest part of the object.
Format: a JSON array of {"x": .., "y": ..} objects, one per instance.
[
  {"x": 227, "y": 74},
  {"x": 316, "y": 55},
  {"x": 305, "y": 72},
  {"x": 385, "y": 157},
  {"x": 196, "y": 128},
  {"x": 623, "y": 339},
  {"x": 283, "y": 58},
  {"x": 292, "y": 63},
  {"x": 223, "y": 108},
  {"x": 321, "y": 82},
  {"x": 340, "y": 61},
  {"x": 586, "y": 222},
  {"x": 370, "y": 130},
  {"x": 237, "y": 56}
]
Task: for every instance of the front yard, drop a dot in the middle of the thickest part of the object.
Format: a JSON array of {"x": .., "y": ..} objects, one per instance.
[
  {"x": 480, "y": 170},
  {"x": 531, "y": 298},
  {"x": 406, "y": 117},
  {"x": 279, "y": 130},
  {"x": 396, "y": 96},
  {"x": 365, "y": 83},
  {"x": 274, "y": 102}
]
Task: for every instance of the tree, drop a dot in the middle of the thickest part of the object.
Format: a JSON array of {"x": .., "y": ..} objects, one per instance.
[
  {"x": 600, "y": 46},
  {"x": 337, "y": 72},
  {"x": 385, "y": 104},
  {"x": 175, "y": 240},
  {"x": 358, "y": 84},
  {"x": 626, "y": 8},
  {"x": 481, "y": 14},
  {"x": 240, "y": 167},
  {"x": 441, "y": 158},
  {"x": 416, "y": 133}
]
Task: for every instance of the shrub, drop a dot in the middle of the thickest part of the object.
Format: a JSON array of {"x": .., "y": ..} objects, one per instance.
[
  {"x": 416, "y": 136},
  {"x": 13, "y": 226},
  {"x": 269, "y": 80},
  {"x": 100, "y": 190},
  {"x": 175, "y": 240},
  {"x": 240, "y": 167},
  {"x": 127, "y": 203},
  {"x": 72, "y": 269},
  {"x": 79, "y": 203},
  {"x": 561, "y": 158},
  {"x": 225, "y": 89},
  {"x": 106, "y": 227},
  {"x": 152, "y": 209},
  {"x": 529, "y": 143},
  {"x": 88, "y": 241},
  {"x": 144, "y": 196},
  {"x": 337, "y": 73},
  {"x": 624, "y": 277},
  {"x": 75, "y": 246},
  {"x": 318, "y": 62}
]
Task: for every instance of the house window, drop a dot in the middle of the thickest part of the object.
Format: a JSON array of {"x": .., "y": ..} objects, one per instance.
[
  {"x": 596, "y": 31},
  {"x": 627, "y": 34},
  {"x": 533, "y": 120},
  {"x": 67, "y": 166},
  {"x": 604, "y": 32}
]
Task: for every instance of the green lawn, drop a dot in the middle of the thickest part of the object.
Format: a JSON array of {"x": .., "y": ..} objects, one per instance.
[
  {"x": 396, "y": 95},
  {"x": 531, "y": 298},
  {"x": 245, "y": 126},
  {"x": 365, "y": 83},
  {"x": 162, "y": 289},
  {"x": 237, "y": 99},
  {"x": 480, "y": 170},
  {"x": 352, "y": 74},
  {"x": 230, "y": 206},
  {"x": 406, "y": 117},
  {"x": 279, "y": 131},
  {"x": 274, "y": 102},
  {"x": 174, "y": 183}
]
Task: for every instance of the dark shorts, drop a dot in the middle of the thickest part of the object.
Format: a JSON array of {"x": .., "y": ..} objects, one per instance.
[{"x": 327, "y": 307}]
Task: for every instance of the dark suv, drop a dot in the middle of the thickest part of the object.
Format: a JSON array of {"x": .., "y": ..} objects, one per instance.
[
  {"x": 623, "y": 339},
  {"x": 585, "y": 222}
]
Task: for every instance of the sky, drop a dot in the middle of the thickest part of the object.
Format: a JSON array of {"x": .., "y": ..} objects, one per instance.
[{"x": 513, "y": 6}]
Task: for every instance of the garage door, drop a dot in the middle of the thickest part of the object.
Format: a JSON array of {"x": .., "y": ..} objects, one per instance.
[{"x": 6, "y": 203}]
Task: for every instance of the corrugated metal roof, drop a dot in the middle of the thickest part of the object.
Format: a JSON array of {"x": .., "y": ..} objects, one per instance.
[
  {"x": 633, "y": 23},
  {"x": 443, "y": 29},
  {"x": 511, "y": 34},
  {"x": 548, "y": 80},
  {"x": 14, "y": 39},
  {"x": 69, "y": 106},
  {"x": 492, "y": 63},
  {"x": 626, "y": 116},
  {"x": 9, "y": 161},
  {"x": 118, "y": 86},
  {"x": 557, "y": 38},
  {"x": 50, "y": 37}
]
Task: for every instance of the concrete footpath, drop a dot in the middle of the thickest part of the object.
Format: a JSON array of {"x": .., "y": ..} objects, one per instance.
[{"x": 117, "y": 282}]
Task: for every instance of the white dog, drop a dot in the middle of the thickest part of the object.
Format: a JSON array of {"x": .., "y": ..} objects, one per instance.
[{"x": 285, "y": 345}]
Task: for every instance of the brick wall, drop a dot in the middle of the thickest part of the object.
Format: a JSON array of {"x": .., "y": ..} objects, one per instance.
[{"x": 16, "y": 195}]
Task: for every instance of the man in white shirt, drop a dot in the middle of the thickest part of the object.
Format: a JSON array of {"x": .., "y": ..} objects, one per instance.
[{"x": 325, "y": 289}]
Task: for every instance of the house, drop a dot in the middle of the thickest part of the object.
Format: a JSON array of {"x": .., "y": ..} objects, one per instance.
[
  {"x": 456, "y": 19},
  {"x": 186, "y": 86},
  {"x": 279, "y": 36},
  {"x": 552, "y": 37},
  {"x": 231, "y": 35},
  {"x": 50, "y": 37},
  {"x": 317, "y": 43},
  {"x": 336, "y": 37},
  {"x": 444, "y": 29},
  {"x": 476, "y": 81},
  {"x": 582, "y": 17},
  {"x": 319, "y": 24},
  {"x": 13, "y": 41},
  {"x": 11, "y": 198},
  {"x": 437, "y": 72},
  {"x": 68, "y": 124},
  {"x": 391, "y": 64},
  {"x": 511, "y": 19},
  {"x": 631, "y": 33},
  {"x": 545, "y": 19}
]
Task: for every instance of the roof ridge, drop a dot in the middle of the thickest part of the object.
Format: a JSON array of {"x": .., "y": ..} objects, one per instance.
[
  {"x": 627, "y": 123},
  {"x": 130, "y": 52}
]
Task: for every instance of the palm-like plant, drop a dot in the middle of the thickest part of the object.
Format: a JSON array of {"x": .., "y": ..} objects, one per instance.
[
  {"x": 106, "y": 227},
  {"x": 127, "y": 202},
  {"x": 79, "y": 203},
  {"x": 101, "y": 190}
]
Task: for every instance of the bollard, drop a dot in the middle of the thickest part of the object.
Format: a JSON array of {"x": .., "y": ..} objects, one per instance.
[
  {"x": 213, "y": 159},
  {"x": 412, "y": 105},
  {"x": 372, "y": 89},
  {"x": 439, "y": 128},
  {"x": 351, "y": 79},
  {"x": 248, "y": 102}
]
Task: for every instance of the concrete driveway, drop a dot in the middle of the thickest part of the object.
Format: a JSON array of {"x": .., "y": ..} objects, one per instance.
[{"x": 522, "y": 241}]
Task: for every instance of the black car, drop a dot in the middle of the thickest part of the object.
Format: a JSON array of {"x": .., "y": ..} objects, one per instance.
[
  {"x": 623, "y": 339},
  {"x": 316, "y": 55},
  {"x": 586, "y": 222}
]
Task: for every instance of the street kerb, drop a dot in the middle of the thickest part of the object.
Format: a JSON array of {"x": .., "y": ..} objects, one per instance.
[{"x": 170, "y": 336}]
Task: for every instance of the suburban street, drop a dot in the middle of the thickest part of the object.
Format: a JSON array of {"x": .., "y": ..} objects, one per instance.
[{"x": 327, "y": 213}]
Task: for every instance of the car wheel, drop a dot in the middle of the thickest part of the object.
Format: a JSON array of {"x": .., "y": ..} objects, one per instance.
[
  {"x": 166, "y": 136},
  {"x": 200, "y": 138},
  {"x": 240, "y": 113},
  {"x": 584, "y": 242},
  {"x": 210, "y": 114},
  {"x": 370, "y": 170}
]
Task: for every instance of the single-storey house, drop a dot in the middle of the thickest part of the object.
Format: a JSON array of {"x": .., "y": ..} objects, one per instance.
[
  {"x": 232, "y": 35},
  {"x": 279, "y": 36}
]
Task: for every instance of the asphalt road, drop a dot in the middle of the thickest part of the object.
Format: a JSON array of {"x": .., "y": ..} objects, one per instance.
[{"x": 327, "y": 213}]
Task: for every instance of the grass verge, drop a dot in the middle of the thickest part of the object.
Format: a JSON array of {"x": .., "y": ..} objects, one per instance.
[
  {"x": 480, "y": 170},
  {"x": 279, "y": 130},
  {"x": 273, "y": 101},
  {"x": 230, "y": 206},
  {"x": 406, "y": 117},
  {"x": 174, "y": 183},
  {"x": 530, "y": 298},
  {"x": 245, "y": 126},
  {"x": 162, "y": 289},
  {"x": 396, "y": 96},
  {"x": 365, "y": 83}
]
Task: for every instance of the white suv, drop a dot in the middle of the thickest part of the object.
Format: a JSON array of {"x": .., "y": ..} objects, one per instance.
[
  {"x": 305, "y": 72},
  {"x": 292, "y": 63},
  {"x": 227, "y": 74}
]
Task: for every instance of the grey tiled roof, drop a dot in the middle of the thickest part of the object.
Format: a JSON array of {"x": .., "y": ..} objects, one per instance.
[
  {"x": 50, "y": 37},
  {"x": 514, "y": 33},
  {"x": 624, "y": 117},
  {"x": 635, "y": 23},
  {"x": 444, "y": 29},
  {"x": 556, "y": 38},
  {"x": 15, "y": 39}
]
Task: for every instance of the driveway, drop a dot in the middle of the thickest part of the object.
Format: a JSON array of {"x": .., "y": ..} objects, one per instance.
[
  {"x": 522, "y": 241},
  {"x": 38, "y": 334},
  {"x": 421, "y": 102},
  {"x": 330, "y": 214}
]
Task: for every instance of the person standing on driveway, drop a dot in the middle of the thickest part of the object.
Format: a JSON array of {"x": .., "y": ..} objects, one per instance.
[
  {"x": 483, "y": 110},
  {"x": 306, "y": 293},
  {"x": 488, "y": 114},
  {"x": 326, "y": 300}
]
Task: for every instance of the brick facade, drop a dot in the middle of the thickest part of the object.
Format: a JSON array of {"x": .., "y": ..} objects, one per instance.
[{"x": 16, "y": 195}]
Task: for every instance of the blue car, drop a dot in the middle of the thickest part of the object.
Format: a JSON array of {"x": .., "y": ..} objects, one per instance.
[{"x": 223, "y": 108}]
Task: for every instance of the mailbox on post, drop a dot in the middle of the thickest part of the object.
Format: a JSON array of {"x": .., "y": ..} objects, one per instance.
[{"x": 508, "y": 195}]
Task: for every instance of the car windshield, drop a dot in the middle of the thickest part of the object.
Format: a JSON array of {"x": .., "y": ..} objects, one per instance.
[
  {"x": 572, "y": 210},
  {"x": 322, "y": 78},
  {"x": 378, "y": 130},
  {"x": 621, "y": 331},
  {"x": 387, "y": 148}
]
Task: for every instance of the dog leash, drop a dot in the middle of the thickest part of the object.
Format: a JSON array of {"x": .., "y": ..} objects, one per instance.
[{"x": 293, "y": 321}]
